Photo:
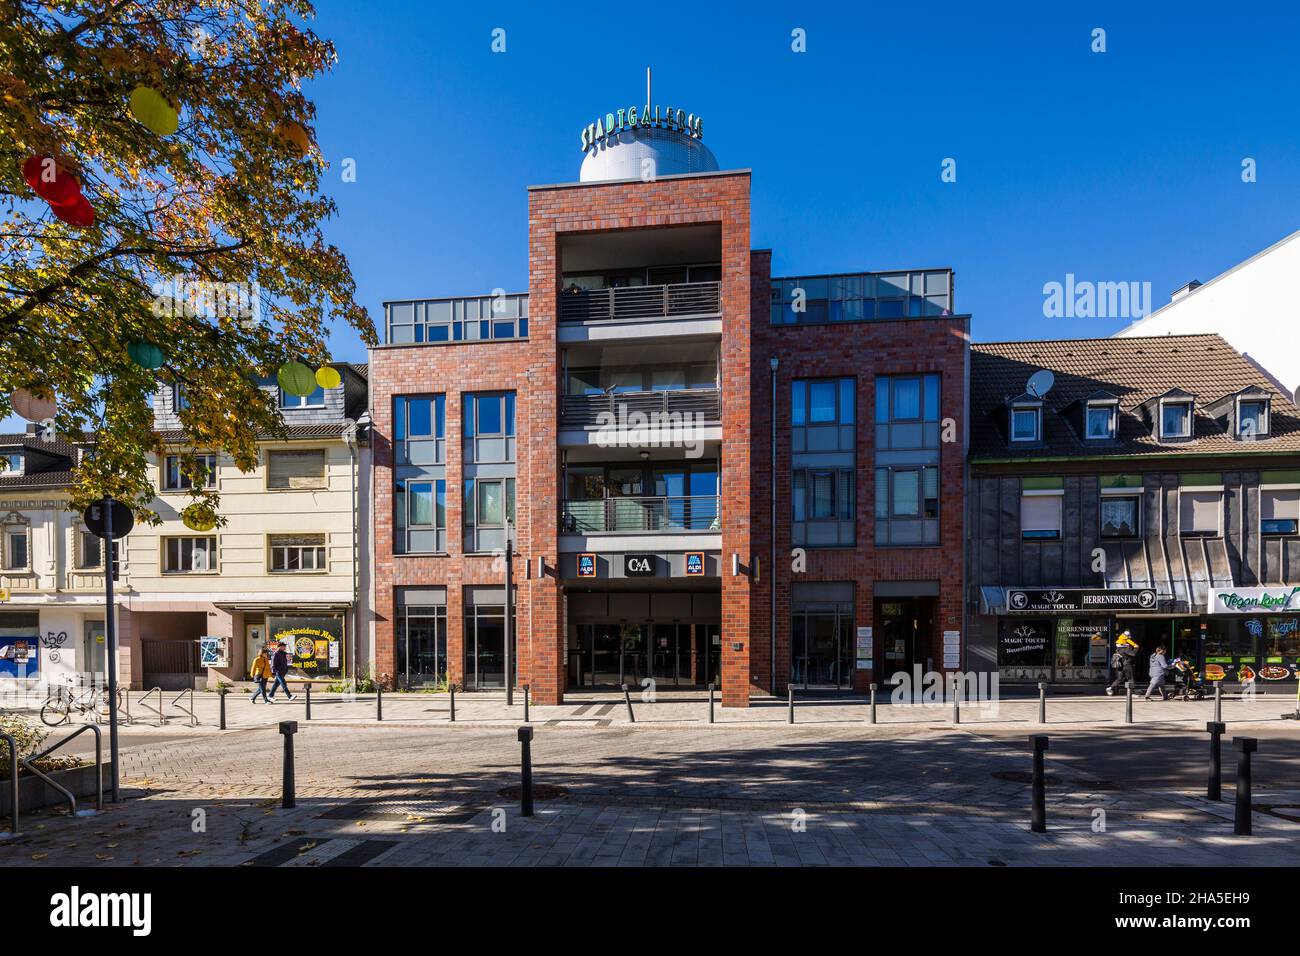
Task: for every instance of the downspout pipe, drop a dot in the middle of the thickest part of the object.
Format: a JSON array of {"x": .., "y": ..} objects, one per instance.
[{"x": 771, "y": 575}]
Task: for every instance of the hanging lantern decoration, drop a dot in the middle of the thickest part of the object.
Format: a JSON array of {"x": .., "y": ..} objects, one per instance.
[
  {"x": 327, "y": 376},
  {"x": 55, "y": 185},
  {"x": 293, "y": 134},
  {"x": 199, "y": 516},
  {"x": 31, "y": 407},
  {"x": 80, "y": 213},
  {"x": 152, "y": 110},
  {"x": 297, "y": 379},
  {"x": 145, "y": 354}
]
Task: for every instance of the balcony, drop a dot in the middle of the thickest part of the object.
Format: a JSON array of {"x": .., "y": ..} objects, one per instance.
[
  {"x": 641, "y": 514},
  {"x": 642, "y": 302},
  {"x": 672, "y": 406}
]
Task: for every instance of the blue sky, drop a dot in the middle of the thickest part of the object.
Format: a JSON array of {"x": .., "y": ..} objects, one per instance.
[{"x": 1115, "y": 166}]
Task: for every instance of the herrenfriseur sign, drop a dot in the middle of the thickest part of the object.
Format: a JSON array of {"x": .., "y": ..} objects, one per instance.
[{"x": 1076, "y": 600}]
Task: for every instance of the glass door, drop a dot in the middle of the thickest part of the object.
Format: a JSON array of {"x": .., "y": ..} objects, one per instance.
[
  {"x": 95, "y": 655},
  {"x": 423, "y": 652}
]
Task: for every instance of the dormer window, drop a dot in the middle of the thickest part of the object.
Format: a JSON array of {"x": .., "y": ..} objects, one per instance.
[
  {"x": 179, "y": 401},
  {"x": 315, "y": 400},
  {"x": 1252, "y": 419},
  {"x": 1175, "y": 419},
  {"x": 11, "y": 463},
  {"x": 1026, "y": 422},
  {"x": 1100, "y": 420}
]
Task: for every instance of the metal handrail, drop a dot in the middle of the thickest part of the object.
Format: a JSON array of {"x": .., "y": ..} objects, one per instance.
[
  {"x": 641, "y": 513},
  {"x": 13, "y": 784},
  {"x": 99, "y": 769},
  {"x": 157, "y": 710},
  {"x": 641, "y": 302},
  {"x": 586, "y": 410},
  {"x": 194, "y": 720}
]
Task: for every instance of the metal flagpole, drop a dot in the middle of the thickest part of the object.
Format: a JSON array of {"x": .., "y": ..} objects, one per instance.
[
  {"x": 510, "y": 682},
  {"x": 110, "y": 627}
]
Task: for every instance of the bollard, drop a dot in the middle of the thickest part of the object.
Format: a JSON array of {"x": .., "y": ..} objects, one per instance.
[
  {"x": 526, "y": 771},
  {"x": 1128, "y": 702},
  {"x": 308, "y": 717},
  {"x": 710, "y": 703},
  {"x": 379, "y": 702},
  {"x": 789, "y": 692},
  {"x": 288, "y": 728},
  {"x": 1241, "y": 818},
  {"x": 451, "y": 691},
  {"x": 221, "y": 696},
  {"x": 525, "y": 703},
  {"x": 1218, "y": 703},
  {"x": 1214, "y": 790},
  {"x": 1042, "y": 701},
  {"x": 956, "y": 699},
  {"x": 627, "y": 697},
  {"x": 873, "y": 703},
  {"x": 13, "y": 786},
  {"x": 1038, "y": 807}
]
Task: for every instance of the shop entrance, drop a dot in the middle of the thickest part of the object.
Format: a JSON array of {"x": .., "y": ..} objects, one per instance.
[
  {"x": 906, "y": 627},
  {"x": 673, "y": 654},
  {"x": 1179, "y": 636}
]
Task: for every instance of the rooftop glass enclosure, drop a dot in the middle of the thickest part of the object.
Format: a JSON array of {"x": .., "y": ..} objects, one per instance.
[{"x": 861, "y": 297}]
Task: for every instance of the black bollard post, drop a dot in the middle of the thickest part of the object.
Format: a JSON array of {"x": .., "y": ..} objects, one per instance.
[
  {"x": 1214, "y": 790},
  {"x": 1042, "y": 701},
  {"x": 873, "y": 703},
  {"x": 1241, "y": 818},
  {"x": 525, "y": 703},
  {"x": 379, "y": 702},
  {"x": 956, "y": 699},
  {"x": 627, "y": 697},
  {"x": 308, "y": 700},
  {"x": 710, "y": 703},
  {"x": 1218, "y": 703},
  {"x": 221, "y": 696},
  {"x": 1038, "y": 808},
  {"x": 526, "y": 771},
  {"x": 288, "y": 728},
  {"x": 451, "y": 692},
  {"x": 1128, "y": 702},
  {"x": 789, "y": 692}
]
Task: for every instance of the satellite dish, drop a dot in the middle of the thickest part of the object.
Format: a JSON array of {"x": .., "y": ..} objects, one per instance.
[{"x": 1040, "y": 383}]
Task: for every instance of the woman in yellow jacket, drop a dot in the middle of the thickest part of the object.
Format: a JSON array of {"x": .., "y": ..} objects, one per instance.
[{"x": 261, "y": 672}]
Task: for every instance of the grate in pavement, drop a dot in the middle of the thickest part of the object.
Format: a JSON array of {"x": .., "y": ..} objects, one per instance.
[
  {"x": 1025, "y": 777},
  {"x": 427, "y": 811},
  {"x": 284, "y": 852},
  {"x": 361, "y": 854},
  {"x": 541, "y": 791},
  {"x": 1277, "y": 811}
]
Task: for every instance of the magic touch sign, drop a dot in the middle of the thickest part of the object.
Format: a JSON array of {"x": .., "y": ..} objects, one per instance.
[
  {"x": 629, "y": 118},
  {"x": 1254, "y": 600},
  {"x": 1067, "y": 600}
]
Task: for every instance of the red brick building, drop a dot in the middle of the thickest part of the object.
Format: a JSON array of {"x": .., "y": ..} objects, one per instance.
[{"x": 616, "y": 425}]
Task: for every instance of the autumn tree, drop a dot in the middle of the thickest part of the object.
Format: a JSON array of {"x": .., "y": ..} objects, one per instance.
[{"x": 149, "y": 147}]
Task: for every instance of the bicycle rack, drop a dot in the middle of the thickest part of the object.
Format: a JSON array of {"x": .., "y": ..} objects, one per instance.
[
  {"x": 28, "y": 763},
  {"x": 194, "y": 720},
  {"x": 143, "y": 702},
  {"x": 124, "y": 707},
  {"x": 13, "y": 787}
]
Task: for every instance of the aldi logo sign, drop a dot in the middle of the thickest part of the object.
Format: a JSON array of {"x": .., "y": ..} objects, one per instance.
[
  {"x": 694, "y": 563},
  {"x": 586, "y": 565}
]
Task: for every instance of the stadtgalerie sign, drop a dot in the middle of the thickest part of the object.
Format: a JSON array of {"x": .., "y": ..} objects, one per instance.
[
  {"x": 1254, "y": 600},
  {"x": 663, "y": 117},
  {"x": 1023, "y": 601}
]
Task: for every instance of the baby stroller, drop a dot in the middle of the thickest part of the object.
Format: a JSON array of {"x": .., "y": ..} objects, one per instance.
[{"x": 1187, "y": 680}]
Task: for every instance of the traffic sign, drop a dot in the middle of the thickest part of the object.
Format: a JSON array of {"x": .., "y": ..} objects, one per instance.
[{"x": 97, "y": 518}]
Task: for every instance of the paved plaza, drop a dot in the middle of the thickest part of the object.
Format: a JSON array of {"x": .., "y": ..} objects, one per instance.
[{"x": 672, "y": 789}]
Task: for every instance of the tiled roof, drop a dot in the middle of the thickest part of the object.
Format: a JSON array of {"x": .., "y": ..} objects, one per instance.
[
  {"x": 1135, "y": 370},
  {"x": 49, "y": 467},
  {"x": 293, "y": 433}
]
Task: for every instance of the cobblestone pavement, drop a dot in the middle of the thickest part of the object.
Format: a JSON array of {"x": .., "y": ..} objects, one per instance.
[{"x": 908, "y": 791}]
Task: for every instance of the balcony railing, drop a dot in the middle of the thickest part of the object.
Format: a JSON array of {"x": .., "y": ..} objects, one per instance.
[
  {"x": 691, "y": 405},
  {"x": 614, "y": 515},
  {"x": 646, "y": 302}
]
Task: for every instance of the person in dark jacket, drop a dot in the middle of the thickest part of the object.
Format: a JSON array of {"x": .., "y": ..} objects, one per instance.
[
  {"x": 280, "y": 667},
  {"x": 1123, "y": 661},
  {"x": 1157, "y": 666}
]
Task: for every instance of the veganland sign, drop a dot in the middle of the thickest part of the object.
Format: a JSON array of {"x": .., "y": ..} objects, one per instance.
[
  {"x": 664, "y": 117},
  {"x": 1254, "y": 600}
]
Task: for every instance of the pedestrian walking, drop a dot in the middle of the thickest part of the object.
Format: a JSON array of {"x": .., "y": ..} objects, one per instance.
[
  {"x": 1122, "y": 661},
  {"x": 260, "y": 671},
  {"x": 280, "y": 667},
  {"x": 1157, "y": 667}
]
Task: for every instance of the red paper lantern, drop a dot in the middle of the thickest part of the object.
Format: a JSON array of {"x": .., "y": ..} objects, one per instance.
[
  {"x": 80, "y": 214},
  {"x": 61, "y": 189}
]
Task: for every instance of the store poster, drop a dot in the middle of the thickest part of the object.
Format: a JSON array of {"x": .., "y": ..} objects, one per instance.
[{"x": 20, "y": 655}]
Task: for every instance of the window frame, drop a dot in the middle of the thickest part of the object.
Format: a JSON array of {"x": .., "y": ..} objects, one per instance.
[
  {"x": 21, "y": 530},
  {"x": 1295, "y": 522},
  {"x": 322, "y": 548},
  {"x": 471, "y": 502},
  {"x": 1134, "y": 496},
  {"x": 1193, "y": 491},
  {"x": 164, "y": 542},
  {"x": 10, "y": 471},
  {"x": 164, "y": 484},
  {"x": 1043, "y": 534},
  {"x": 1265, "y": 417},
  {"x": 1037, "y": 412},
  {"x": 1112, "y": 421},
  {"x": 289, "y": 402},
  {"x": 325, "y": 469},
  {"x": 1190, "y": 417}
]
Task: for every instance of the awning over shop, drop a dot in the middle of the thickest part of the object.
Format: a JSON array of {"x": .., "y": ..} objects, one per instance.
[
  {"x": 993, "y": 600},
  {"x": 1183, "y": 572}
]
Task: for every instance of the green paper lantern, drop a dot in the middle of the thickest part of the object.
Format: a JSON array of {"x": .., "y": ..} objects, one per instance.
[
  {"x": 297, "y": 379},
  {"x": 145, "y": 354},
  {"x": 199, "y": 517},
  {"x": 150, "y": 108},
  {"x": 327, "y": 376}
]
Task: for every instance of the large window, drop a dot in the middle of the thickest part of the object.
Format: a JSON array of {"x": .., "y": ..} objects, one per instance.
[
  {"x": 823, "y": 414},
  {"x": 1120, "y": 516},
  {"x": 458, "y": 320},
  {"x": 1279, "y": 511},
  {"x": 419, "y": 429},
  {"x": 297, "y": 553},
  {"x": 489, "y": 504},
  {"x": 16, "y": 538},
  {"x": 420, "y": 510},
  {"x": 484, "y": 638},
  {"x": 907, "y": 505},
  {"x": 189, "y": 555},
  {"x": 822, "y": 635},
  {"x": 421, "y": 636},
  {"x": 1040, "y": 515},
  {"x": 907, "y": 412},
  {"x": 296, "y": 470},
  {"x": 860, "y": 297},
  {"x": 489, "y": 428},
  {"x": 174, "y": 478},
  {"x": 1200, "y": 513}
]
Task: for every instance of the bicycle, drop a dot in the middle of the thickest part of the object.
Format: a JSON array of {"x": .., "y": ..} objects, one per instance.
[{"x": 63, "y": 701}]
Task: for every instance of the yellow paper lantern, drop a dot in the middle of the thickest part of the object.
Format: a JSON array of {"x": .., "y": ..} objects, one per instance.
[
  {"x": 327, "y": 376},
  {"x": 199, "y": 516},
  {"x": 152, "y": 109}
]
